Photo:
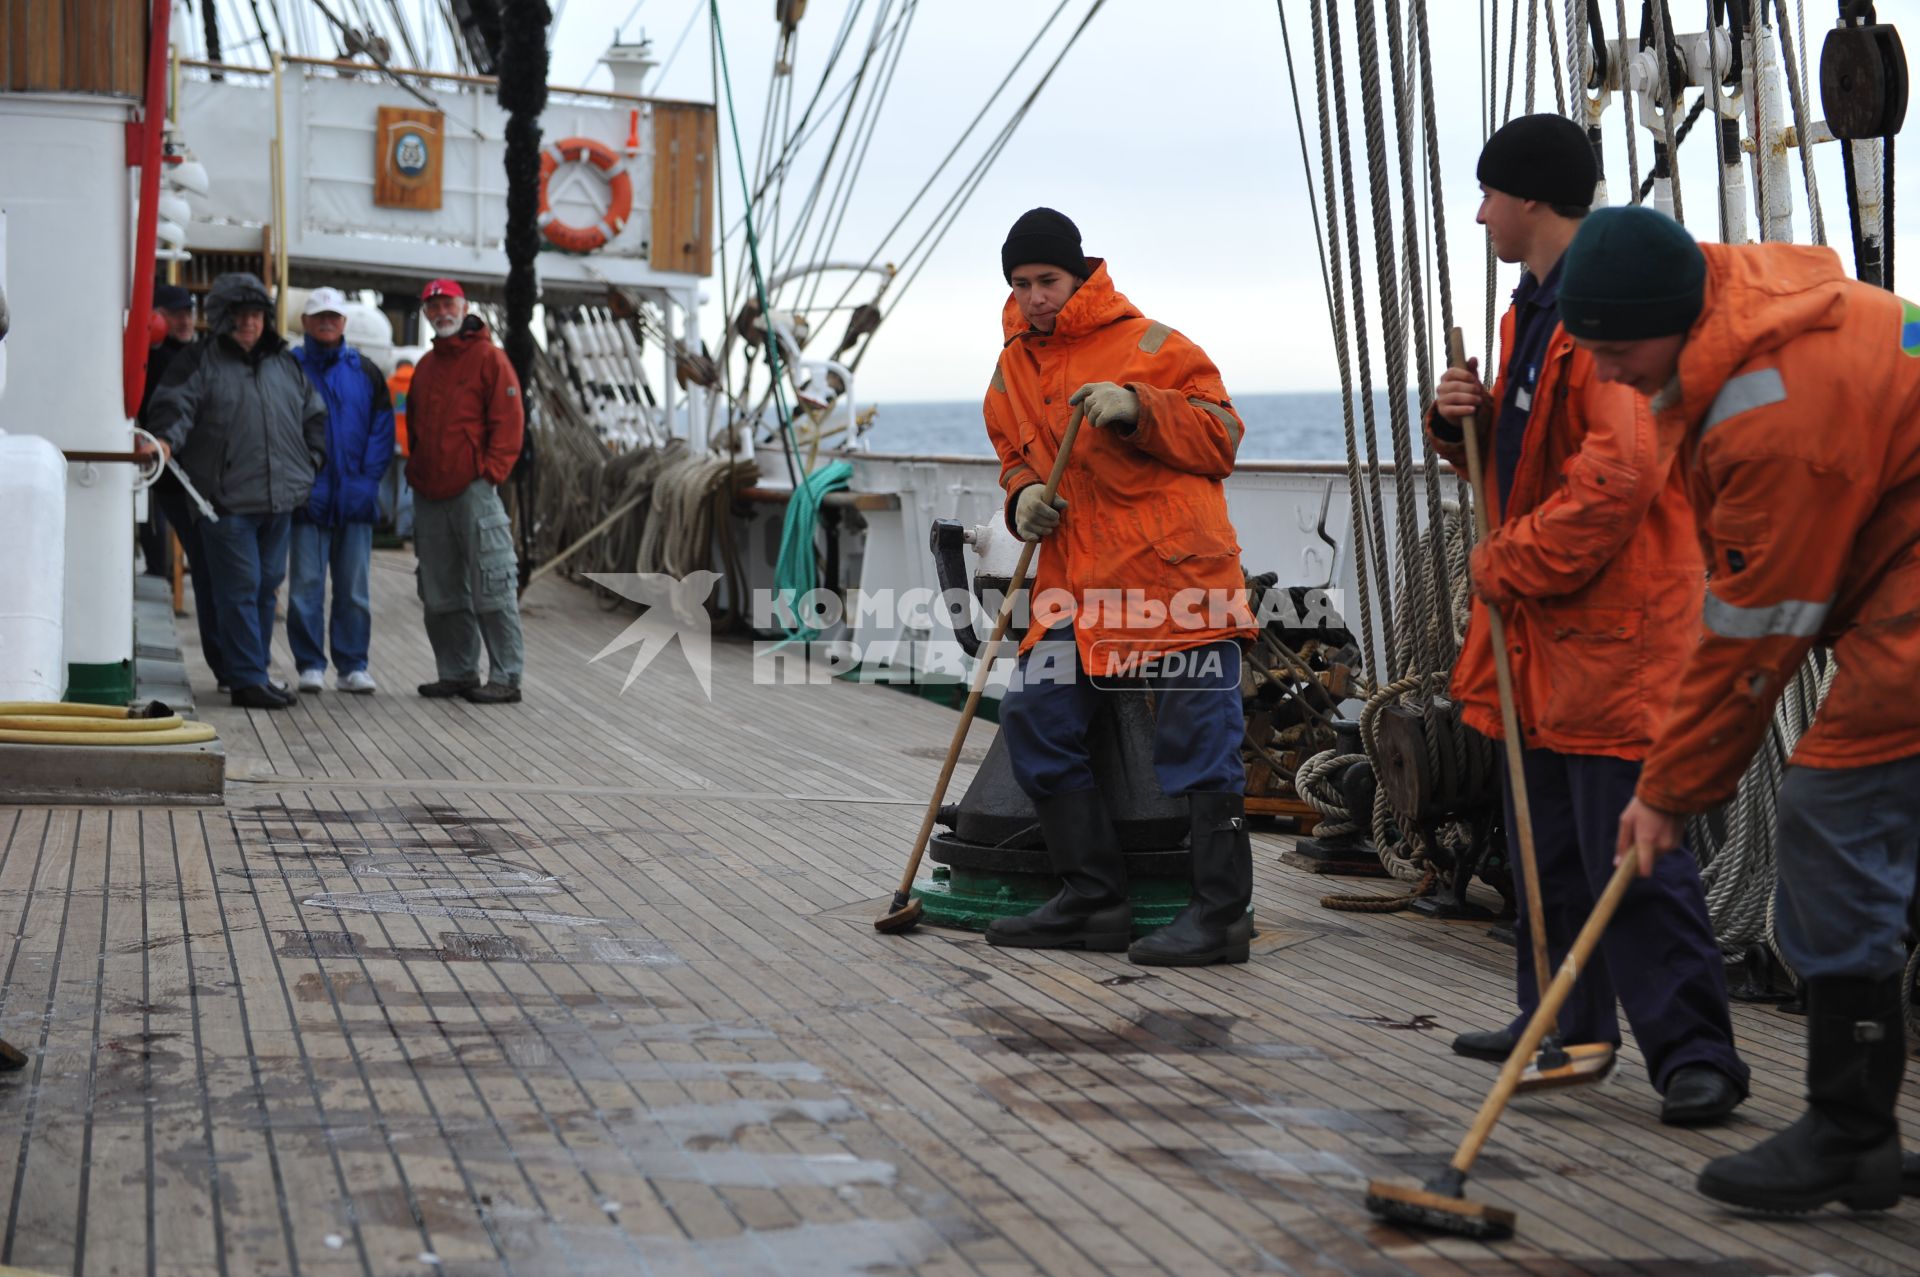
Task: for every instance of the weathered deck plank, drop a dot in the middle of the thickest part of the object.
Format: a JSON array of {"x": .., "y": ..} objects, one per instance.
[{"x": 588, "y": 985}]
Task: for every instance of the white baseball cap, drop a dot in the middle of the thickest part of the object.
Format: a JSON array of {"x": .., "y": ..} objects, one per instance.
[{"x": 323, "y": 300}]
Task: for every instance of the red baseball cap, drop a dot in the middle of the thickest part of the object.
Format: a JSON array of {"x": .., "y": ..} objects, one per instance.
[{"x": 443, "y": 288}]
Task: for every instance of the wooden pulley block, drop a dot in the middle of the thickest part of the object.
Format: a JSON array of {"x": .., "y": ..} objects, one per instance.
[
  {"x": 1863, "y": 79},
  {"x": 1407, "y": 776}
]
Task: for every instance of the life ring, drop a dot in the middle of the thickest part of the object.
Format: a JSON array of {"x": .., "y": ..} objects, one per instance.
[{"x": 584, "y": 150}]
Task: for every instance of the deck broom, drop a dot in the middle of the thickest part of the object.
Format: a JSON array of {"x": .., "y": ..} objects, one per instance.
[
  {"x": 903, "y": 914},
  {"x": 1558, "y": 1065},
  {"x": 1441, "y": 1204}
]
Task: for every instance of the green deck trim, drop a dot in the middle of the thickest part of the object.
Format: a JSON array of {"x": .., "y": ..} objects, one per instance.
[
  {"x": 967, "y": 901},
  {"x": 110, "y": 683}
]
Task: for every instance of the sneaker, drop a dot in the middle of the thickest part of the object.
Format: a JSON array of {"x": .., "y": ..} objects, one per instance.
[
  {"x": 493, "y": 694},
  {"x": 313, "y": 680},
  {"x": 353, "y": 681}
]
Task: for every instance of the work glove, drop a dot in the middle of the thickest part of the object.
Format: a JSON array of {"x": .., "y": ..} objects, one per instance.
[
  {"x": 1108, "y": 405},
  {"x": 1033, "y": 518}
]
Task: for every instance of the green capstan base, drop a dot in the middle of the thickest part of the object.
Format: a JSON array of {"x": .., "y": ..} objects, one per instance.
[
  {"x": 967, "y": 900},
  {"x": 108, "y": 683}
]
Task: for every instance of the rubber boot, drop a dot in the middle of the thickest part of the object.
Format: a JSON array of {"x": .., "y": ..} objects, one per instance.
[
  {"x": 1846, "y": 1147},
  {"x": 1090, "y": 911},
  {"x": 1215, "y": 926}
]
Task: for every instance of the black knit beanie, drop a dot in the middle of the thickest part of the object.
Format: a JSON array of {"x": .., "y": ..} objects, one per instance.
[
  {"x": 1631, "y": 273},
  {"x": 1540, "y": 157},
  {"x": 1042, "y": 235}
]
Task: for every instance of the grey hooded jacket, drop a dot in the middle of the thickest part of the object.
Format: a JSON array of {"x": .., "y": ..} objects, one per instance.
[{"x": 247, "y": 426}]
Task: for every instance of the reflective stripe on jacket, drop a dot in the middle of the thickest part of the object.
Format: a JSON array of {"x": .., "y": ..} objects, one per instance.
[
  {"x": 1145, "y": 553},
  {"x": 1594, "y": 564},
  {"x": 1799, "y": 399}
]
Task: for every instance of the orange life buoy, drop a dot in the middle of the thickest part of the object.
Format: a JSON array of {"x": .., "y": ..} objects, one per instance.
[{"x": 584, "y": 150}]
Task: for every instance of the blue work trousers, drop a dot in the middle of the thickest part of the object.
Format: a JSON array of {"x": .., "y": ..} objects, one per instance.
[
  {"x": 1848, "y": 847},
  {"x": 1657, "y": 958},
  {"x": 344, "y": 553},
  {"x": 1198, "y": 722},
  {"x": 186, "y": 522},
  {"x": 247, "y": 560},
  {"x": 396, "y": 498}
]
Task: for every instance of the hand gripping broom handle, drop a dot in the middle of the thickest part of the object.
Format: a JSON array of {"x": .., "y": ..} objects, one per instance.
[
  {"x": 1551, "y": 1000},
  {"x": 1503, "y": 673},
  {"x": 983, "y": 668}
]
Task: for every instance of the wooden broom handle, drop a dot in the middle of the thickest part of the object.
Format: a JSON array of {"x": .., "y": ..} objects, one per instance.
[
  {"x": 1551, "y": 1000},
  {"x": 1503, "y": 674},
  {"x": 984, "y": 663}
]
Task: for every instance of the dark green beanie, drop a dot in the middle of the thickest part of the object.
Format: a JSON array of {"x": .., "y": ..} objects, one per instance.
[{"x": 1631, "y": 273}]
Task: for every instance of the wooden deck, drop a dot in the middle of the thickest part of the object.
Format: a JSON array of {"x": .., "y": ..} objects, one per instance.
[{"x": 588, "y": 985}]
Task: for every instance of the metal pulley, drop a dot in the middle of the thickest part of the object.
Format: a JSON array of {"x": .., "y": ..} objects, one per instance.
[{"x": 1863, "y": 77}]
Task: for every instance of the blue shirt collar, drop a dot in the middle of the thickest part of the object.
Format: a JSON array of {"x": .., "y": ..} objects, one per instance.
[{"x": 1544, "y": 293}]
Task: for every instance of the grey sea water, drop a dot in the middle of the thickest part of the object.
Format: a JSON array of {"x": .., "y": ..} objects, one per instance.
[{"x": 1288, "y": 427}]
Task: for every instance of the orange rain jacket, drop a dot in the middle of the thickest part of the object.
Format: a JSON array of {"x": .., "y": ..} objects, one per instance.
[
  {"x": 1595, "y": 567},
  {"x": 1146, "y": 516},
  {"x": 1799, "y": 399}
]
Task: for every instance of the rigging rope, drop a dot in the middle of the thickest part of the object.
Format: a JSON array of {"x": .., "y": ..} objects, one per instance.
[
  {"x": 1333, "y": 271},
  {"x": 1796, "y": 92},
  {"x": 1627, "y": 115},
  {"x": 1667, "y": 98},
  {"x": 1376, "y": 508},
  {"x": 753, "y": 251},
  {"x": 969, "y": 184}
]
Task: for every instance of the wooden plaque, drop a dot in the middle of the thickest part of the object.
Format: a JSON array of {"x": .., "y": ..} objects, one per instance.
[
  {"x": 683, "y": 137},
  {"x": 408, "y": 144}
]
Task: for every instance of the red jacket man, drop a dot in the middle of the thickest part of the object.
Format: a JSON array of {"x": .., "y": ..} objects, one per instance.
[
  {"x": 464, "y": 415},
  {"x": 465, "y": 428},
  {"x": 1795, "y": 393},
  {"x": 1595, "y": 567}
]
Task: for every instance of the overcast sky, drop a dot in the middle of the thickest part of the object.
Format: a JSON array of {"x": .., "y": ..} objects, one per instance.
[{"x": 1168, "y": 135}]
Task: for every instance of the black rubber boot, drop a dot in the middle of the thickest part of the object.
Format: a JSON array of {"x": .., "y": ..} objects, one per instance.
[
  {"x": 1216, "y": 926},
  {"x": 1846, "y": 1147},
  {"x": 1090, "y": 911}
]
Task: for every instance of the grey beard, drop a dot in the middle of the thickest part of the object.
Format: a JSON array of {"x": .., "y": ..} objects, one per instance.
[{"x": 447, "y": 328}]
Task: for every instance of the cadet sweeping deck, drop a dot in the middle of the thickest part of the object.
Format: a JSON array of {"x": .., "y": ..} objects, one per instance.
[{"x": 590, "y": 985}]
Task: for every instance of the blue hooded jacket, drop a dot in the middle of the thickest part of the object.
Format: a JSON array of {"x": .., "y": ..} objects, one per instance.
[{"x": 359, "y": 434}]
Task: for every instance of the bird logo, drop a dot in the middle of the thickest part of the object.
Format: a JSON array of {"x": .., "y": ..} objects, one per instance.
[{"x": 672, "y": 607}]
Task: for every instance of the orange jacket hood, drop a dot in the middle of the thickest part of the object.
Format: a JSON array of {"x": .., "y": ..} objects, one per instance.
[
  {"x": 1093, "y": 306},
  {"x": 1756, "y": 303}
]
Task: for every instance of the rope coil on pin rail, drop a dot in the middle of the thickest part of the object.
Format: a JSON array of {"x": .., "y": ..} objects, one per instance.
[{"x": 603, "y": 159}]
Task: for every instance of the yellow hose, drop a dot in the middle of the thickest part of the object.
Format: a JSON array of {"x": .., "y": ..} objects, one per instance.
[{"x": 62, "y": 723}]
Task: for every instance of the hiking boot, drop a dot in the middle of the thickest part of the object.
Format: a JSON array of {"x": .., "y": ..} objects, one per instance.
[
  {"x": 259, "y": 696},
  {"x": 1090, "y": 911},
  {"x": 1846, "y": 1146},
  {"x": 446, "y": 688},
  {"x": 493, "y": 694},
  {"x": 1215, "y": 926}
]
